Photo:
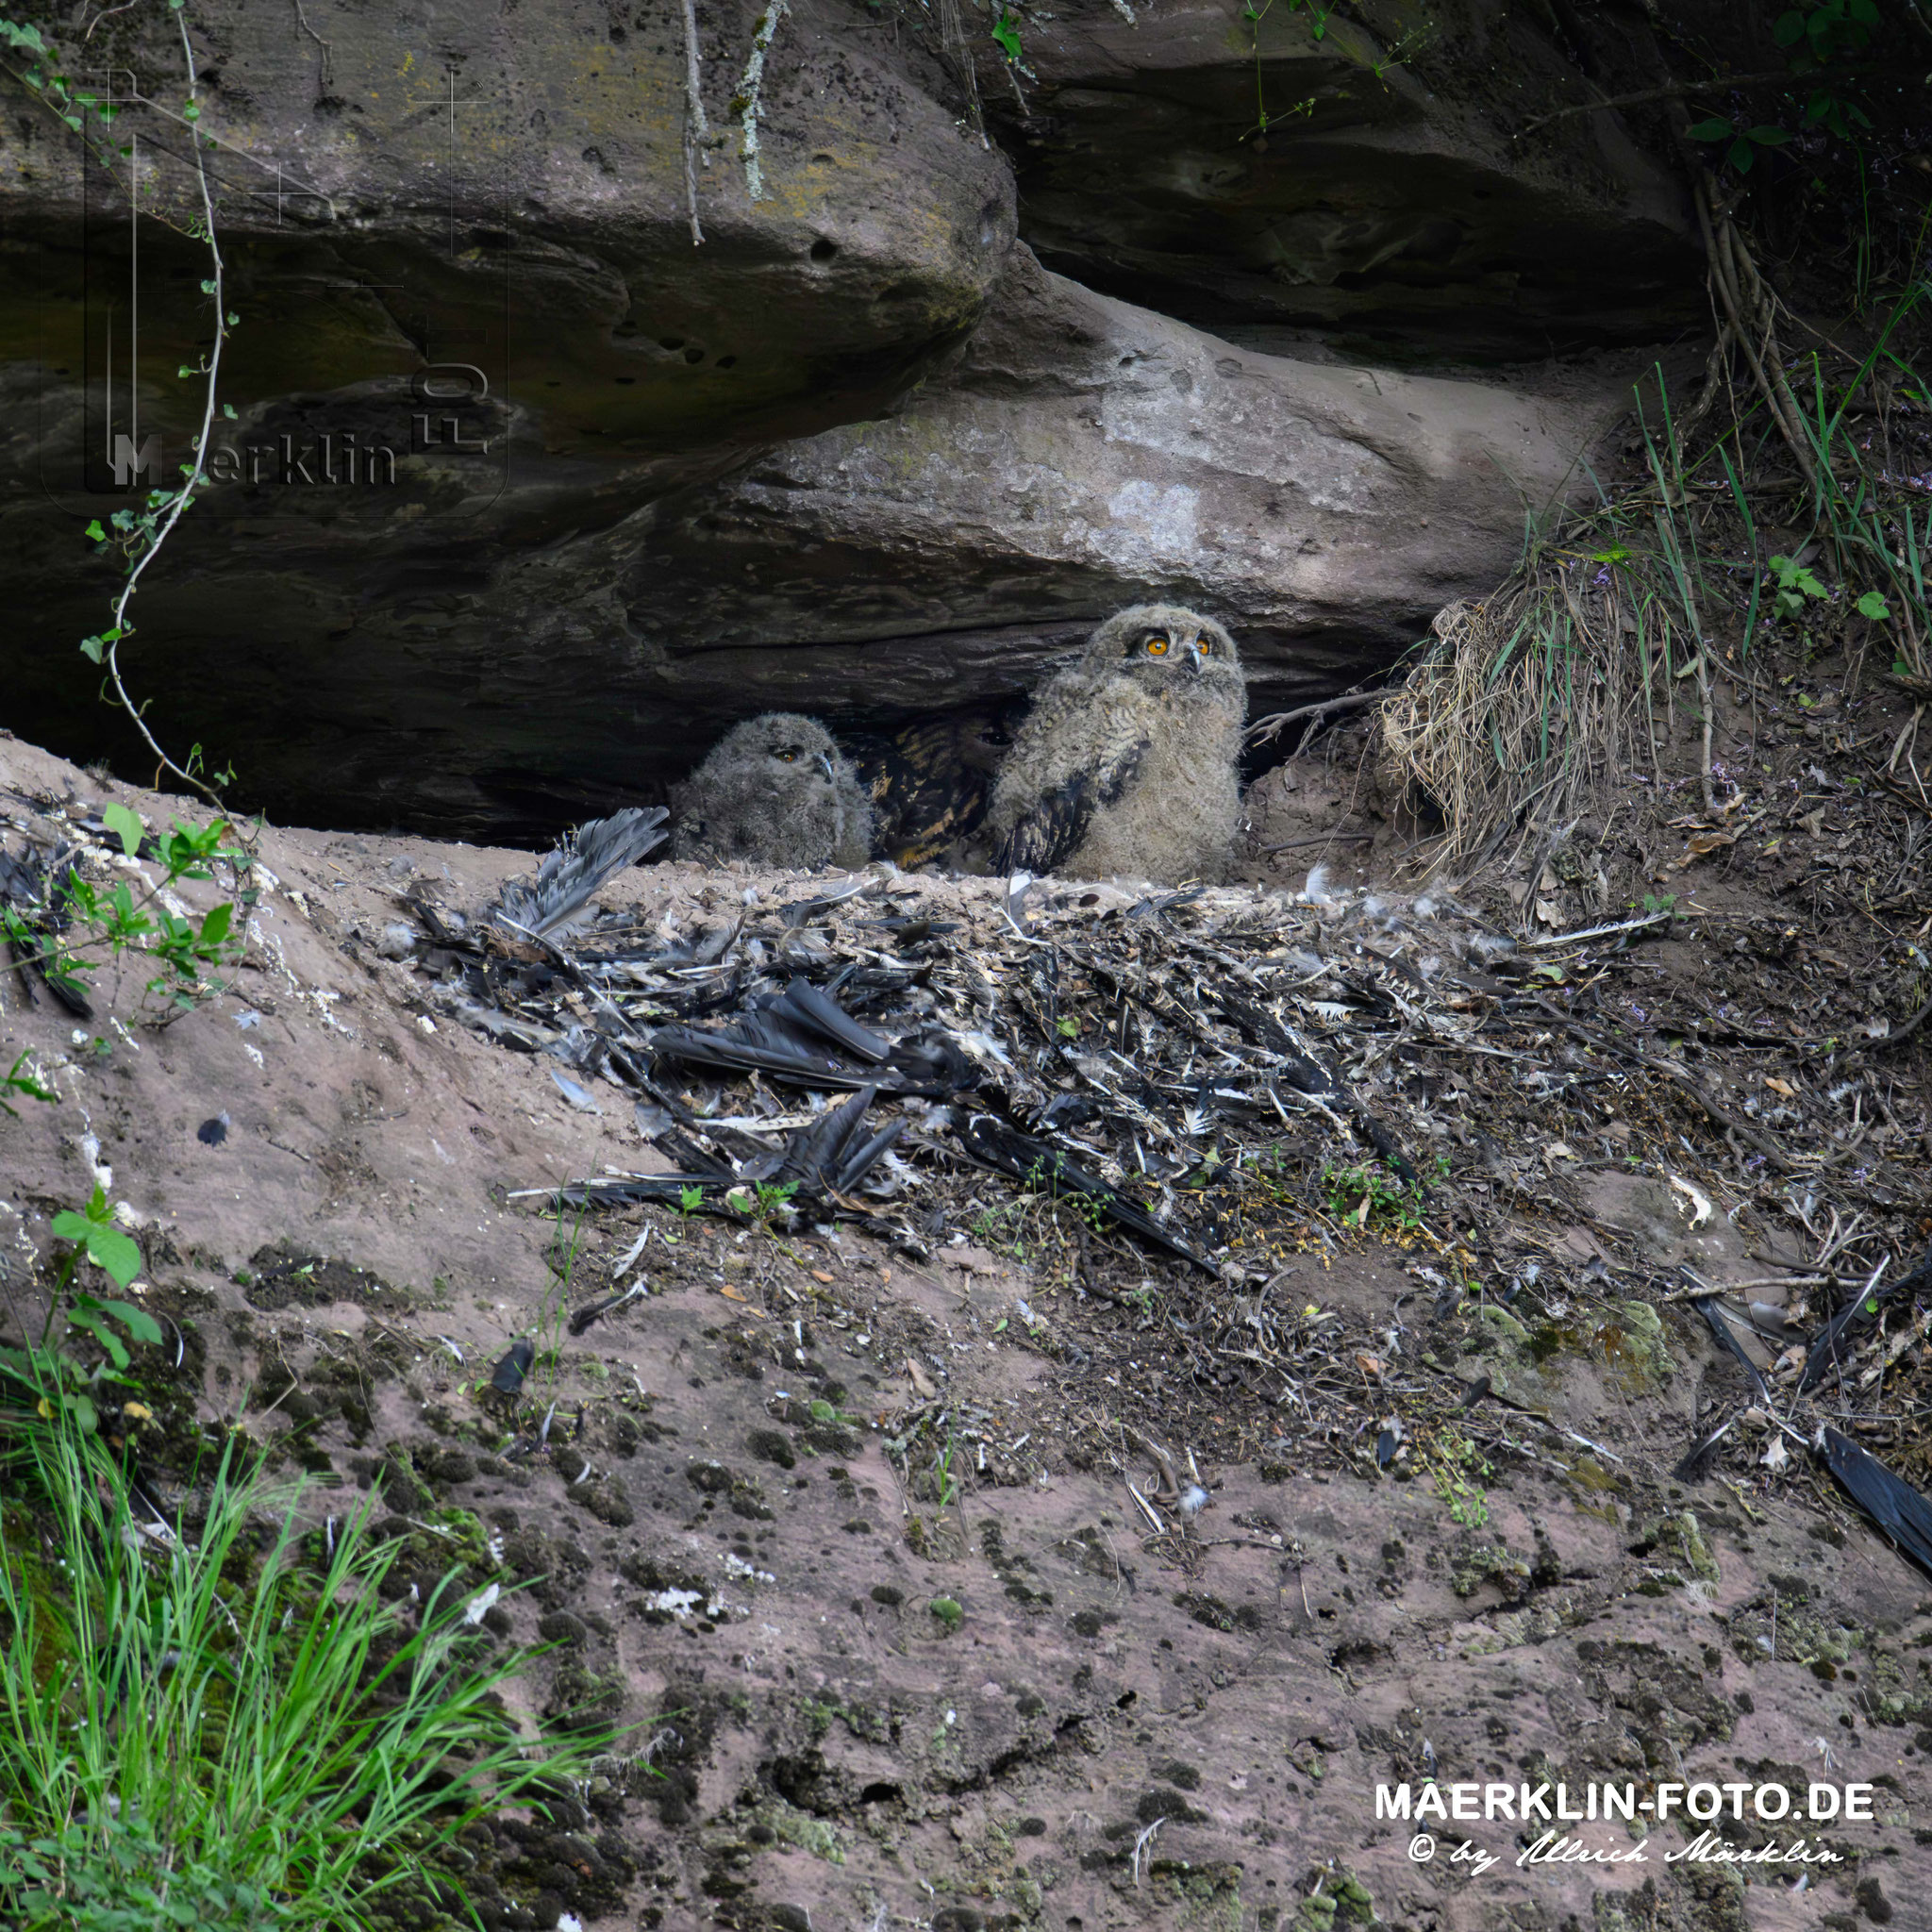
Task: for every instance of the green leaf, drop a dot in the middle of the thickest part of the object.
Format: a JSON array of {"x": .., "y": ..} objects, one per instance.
[
  {"x": 126, "y": 824},
  {"x": 214, "y": 928},
  {"x": 18, "y": 36},
  {"x": 1873, "y": 605},
  {"x": 69, "y": 1227},
  {"x": 141, "y": 1324},
  {"x": 115, "y": 1253},
  {"x": 1712, "y": 130},
  {"x": 1739, "y": 156},
  {"x": 92, "y": 647},
  {"x": 94, "y": 530},
  {"x": 1770, "y": 137},
  {"x": 1789, "y": 29}
]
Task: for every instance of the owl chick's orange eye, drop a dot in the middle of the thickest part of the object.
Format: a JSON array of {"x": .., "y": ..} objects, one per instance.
[
  {"x": 790, "y": 757},
  {"x": 1157, "y": 646},
  {"x": 1204, "y": 645}
]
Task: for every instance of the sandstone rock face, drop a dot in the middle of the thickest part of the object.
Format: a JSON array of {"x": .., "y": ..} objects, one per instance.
[
  {"x": 1380, "y": 183},
  {"x": 525, "y": 498},
  {"x": 1087, "y": 454}
]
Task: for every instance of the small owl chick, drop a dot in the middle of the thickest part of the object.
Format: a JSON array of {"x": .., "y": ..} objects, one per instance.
[
  {"x": 1127, "y": 762},
  {"x": 777, "y": 790}
]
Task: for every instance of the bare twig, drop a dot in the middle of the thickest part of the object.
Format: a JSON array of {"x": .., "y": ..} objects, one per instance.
[
  {"x": 327, "y": 74},
  {"x": 1690, "y": 90},
  {"x": 1270, "y": 726}
]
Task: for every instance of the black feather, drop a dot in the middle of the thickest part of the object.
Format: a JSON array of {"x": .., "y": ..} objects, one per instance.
[
  {"x": 1861, "y": 1307},
  {"x": 1050, "y": 831},
  {"x": 1706, "y": 1306},
  {"x": 829, "y": 1157},
  {"x": 804, "y": 1037},
  {"x": 1893, "y": 1505},
  {"x": 995, "y": 1143}
]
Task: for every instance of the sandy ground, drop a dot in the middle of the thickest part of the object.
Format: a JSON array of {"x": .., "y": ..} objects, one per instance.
[{"x": 1116, "y": 1728}]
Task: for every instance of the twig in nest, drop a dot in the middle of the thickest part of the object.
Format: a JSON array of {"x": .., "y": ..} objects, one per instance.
[{"x": 1270, "y": 726}]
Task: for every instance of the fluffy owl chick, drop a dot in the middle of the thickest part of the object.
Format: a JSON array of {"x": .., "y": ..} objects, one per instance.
[
  {"x": 777, "y": 790},
  {"x": 1126, "y": 762}
]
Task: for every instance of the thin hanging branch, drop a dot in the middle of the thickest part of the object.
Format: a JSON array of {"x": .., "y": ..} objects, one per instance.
[
  {"x": 697, "y": 130},
  {"x": 748, "y": 89}
]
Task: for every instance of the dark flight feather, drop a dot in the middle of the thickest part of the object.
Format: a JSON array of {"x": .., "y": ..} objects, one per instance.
[
  {"x": 1054, "y": 827},
  {"x": 1859, "y": 1308},
  {"x": 1893, "y": 1505},
  {"x": 995, "y": 1143},
  {"x": 581, "y": 863},
  {"x": 805, "y": 1037}
]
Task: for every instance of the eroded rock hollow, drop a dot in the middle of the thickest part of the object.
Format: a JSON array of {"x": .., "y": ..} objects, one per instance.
[{"x": 526, "y": 495}]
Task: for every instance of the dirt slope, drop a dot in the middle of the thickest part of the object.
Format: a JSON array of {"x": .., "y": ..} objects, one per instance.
[{"x": 847, "y": 1531}]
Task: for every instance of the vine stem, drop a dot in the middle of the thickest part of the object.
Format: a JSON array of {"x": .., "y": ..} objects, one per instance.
[{"x": 184, "y": 496}]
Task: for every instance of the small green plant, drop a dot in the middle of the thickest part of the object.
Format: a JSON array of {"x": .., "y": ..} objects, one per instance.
[
  {"x": 1373, "y": 1193},
  {"x": 949, "y": 1613},
  {"x": 689, "y": 1201},
  {"x": 1659, "y": 902},
  {"x": 113, "y": 922},
  {"x": 775, "y": 1198},
  {"x": 1817, "y": 36},
  {"x": 26, "y": 1085},
  {"x": 1005, "y": 31},
  {"x": 1744, "y": 142},
  {"x": 1457, "y": 1471},
  {"x": 1796, "y": 587},
  {"x": 54, "y": 1379}
]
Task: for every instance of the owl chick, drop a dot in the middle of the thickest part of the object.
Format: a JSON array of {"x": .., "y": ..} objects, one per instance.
[
  {"x": 777, "y": 790},
  {"x": 1126, "y": 762}
]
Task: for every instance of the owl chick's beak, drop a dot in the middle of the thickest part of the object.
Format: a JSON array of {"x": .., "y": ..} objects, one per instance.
[
  {"x": 826, "y": 762},
  {"x": 1194, "y": 656}
]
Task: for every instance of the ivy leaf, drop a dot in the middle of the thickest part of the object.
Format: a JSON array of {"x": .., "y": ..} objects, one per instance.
[
  {"x": 94, "y": 530},
  {"x": 126, "y": 824},
  {"x": 91, "y": 648},
  {"x": 1872, "y": 604}
]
